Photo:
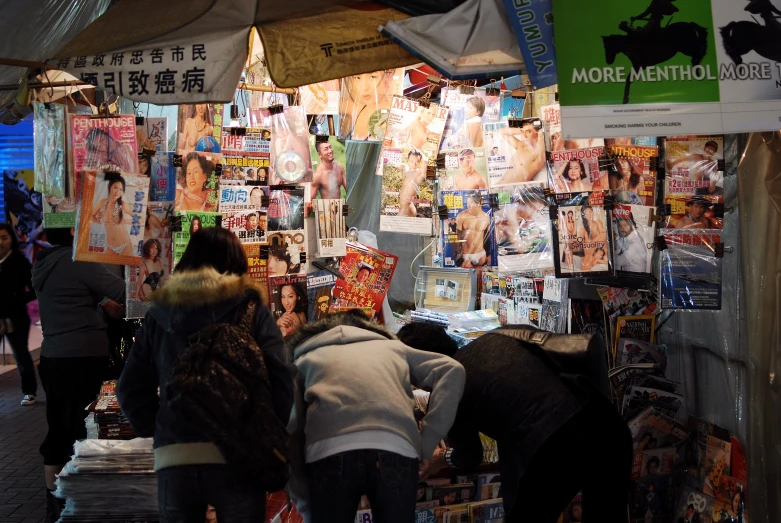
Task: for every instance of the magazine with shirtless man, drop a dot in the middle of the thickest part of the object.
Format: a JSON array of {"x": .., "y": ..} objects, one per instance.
[
  {"x": 329, "y": 180},
  {"x": 582, "y": 238},
  {"x": 467, "y": 233},
  {"x": 516, "y": 154},
  {"x": 694, "y": 166},
  {"x": 523, "y": 229},
  {"x": 465, "y": 170}
]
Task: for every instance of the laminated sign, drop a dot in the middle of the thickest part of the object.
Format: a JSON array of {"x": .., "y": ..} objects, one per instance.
[{"x": 667, "y": 67}]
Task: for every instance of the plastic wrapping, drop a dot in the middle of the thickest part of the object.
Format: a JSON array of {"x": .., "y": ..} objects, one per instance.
[
  {"x": 290, "y": 158},
  {"x": 523, "y": 229},
  {"x": 365, "y": 103},
  {"x": 581, "y": 238},
  {"x": 633, "y": 238}
]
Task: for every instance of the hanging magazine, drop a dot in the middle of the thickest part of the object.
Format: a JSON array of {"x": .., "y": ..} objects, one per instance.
[
  {"x": 582, "y": 244},
  {"x": 322, "y": 97},
  {"x": 523, "y": 229},
  {"x": 53, "y": 179},
  {"x": 694, "y": 212},
  {"x": 163, "y": 173},
  {"x": 199, "y": 128},
  {"x": 551, "y": 115},
  {"x": 243, "y": 213},
  {"x": 465, "y": 170},
  {"x": 156, "y": 261},
  {"x": 197, "y": 183},
  {"x": 365, "y": 103},
  {"x": 464, "y": 127},
  {"x": 633, "y": 238},
  {"x": 578, "y": 170},
  {"x": 328, "y": 162},
  {"x": 152, "y": 134},
  {"x": 331, "y": 228},
  {"x": 515, "y": 152},
  {"x": 191, "y": 222},
  {"x": 695, "y": 166},
  {"x": 257, "y": 263},
  {"x": 290, "y": 158},
  {"x": 288, "y": 299},
  {"x": 368, "y": 273},
  {"x": 691, "y": 273},
  {"x": 468, "y": 238},
  {"x": 246, "y": 156},
  {"x": 111, "y": 217},
  {"x": 104, "y": 144},
  {"x": 287, "y": 238}
]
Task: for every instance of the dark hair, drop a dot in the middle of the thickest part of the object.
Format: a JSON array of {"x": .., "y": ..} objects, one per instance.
[
  {"x": 691, "y": 506},
  {"x": 634, "y": 176},
  {"x": 712, "y": 144},
  {"x": 255, "y": 189},
  {"x": 217, "y": 248},
  {"x": 569, "y": 164},
  {"x": 148, "y": 247},
  {"x": 477, "y": 103},
  {"x": 92, "y": 134},
  {"x": 206, "y": 166},
  {"x": 415, "y": 153},
  {"x": 476, "y": 197},
  {"x": 59, "y": 237},
  {"x": 464, "y": 153},
  {"x": 584, "y": 220},
  {"x": 280, "y": 252},
  {"x": 318, "y": 144},
  {"x": 301, "y": 297},
  {"x": 192, "y": 224},
  {"x": 428, "y": 337},
  {"x": 600, "y": 249},
  {"x": 652, "y": 459},
  {"x": 111, "y": 179},
  {"x": 192, "y": 112},
  {"x": 353, "y": 318},
  {"x": 10, "y": 230}
]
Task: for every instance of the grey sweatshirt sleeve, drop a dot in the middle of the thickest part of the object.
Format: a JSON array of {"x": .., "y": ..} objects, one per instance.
[
  {"x": 297, "y": 486},
  {"x": 101, "y": 282},
  {"x": 445, "y": 378}
]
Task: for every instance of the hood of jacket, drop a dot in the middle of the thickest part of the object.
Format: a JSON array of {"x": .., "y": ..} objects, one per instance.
[
  {"x": 45, "y": 264},
  {"x": 340, "y": 335},
  {"x": 191, "y": 300}
]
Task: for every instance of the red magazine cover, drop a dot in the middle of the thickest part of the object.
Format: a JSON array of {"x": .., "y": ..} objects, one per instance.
[
  {"x": 104, "y": 143},
  {"x": 368, "y": 274}
]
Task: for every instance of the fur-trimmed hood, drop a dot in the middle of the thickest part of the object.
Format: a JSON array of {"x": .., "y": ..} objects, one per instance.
[{"x": 192, "y": 299}]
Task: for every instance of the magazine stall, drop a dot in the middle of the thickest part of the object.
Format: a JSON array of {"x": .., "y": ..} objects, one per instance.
[{"x": 477, "y": 206}]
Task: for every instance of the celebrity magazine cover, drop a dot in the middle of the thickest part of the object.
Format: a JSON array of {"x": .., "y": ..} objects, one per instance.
[
  {"x": 465, "y": 170},
  {"x": 104, "y": 144},
  {"x": 523, "y": 229},
  {"x": 633, "y": 238},
  {"x": 156, "y": 261},
  {"x": 651, "y": 429},
  {"x": 287, "y": 237},
  {"x": 695, "y": 166},
  {"x": 246, "y": 156},
  {"x": 288, "y": 299},
  {"x": 578, "y": 170},
  {"x": 111, "y": 218},
  {"x": 516, "y": 154},
  {"x": 691, "y": 273},
  {"x": 241, "y": 207},
  {"x": 290, "y": 158},
  {"x": 468, "y": 238},
  {"x": 199, "y": 128},
  {"x": 648, "y": 500},
  {"x": 365, "y": 104},
  {"x": 487, "y": 511},
  {"x": 191, "y": 222},
  {"x": 152, "y": 134},
  {"x": 328, "y": 162},
  {"x": 464, "y": 126},
  {"x": 413, "y": 127},
  {"x": 319, "y": 286},
  {"x": 163, "y": 173},
  {"x": 694, "y": 212},
  {"x": 331, "y": 228},
  {"x": 632, "y": 173},
  {"x": 368, "y": 274},
  {"x": 53, "y": 179},
  {"x": 693, "y": 505},
  {"x": 582, "y": 244},
  {"x": 197, "y": 183}
]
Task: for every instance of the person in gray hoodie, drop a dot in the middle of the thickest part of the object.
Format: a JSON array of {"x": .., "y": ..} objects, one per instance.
[
  {"x": 353, "y": 428},
  {"x": 75, "y": 346}
]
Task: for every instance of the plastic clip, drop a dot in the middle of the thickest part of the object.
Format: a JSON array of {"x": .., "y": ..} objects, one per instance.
[
  {"x": 346, "y": 210},
  {"x": 140, "y": 120},
  {"x": 276, "y": 109},
  {"x": 238, "y": 131},
  {"x": 718, "y": 250},
  {"x": 492, "y": 91},
  {"x": 442, "y": 212},
  {"x": 467, "y": 89},
  {"x": 177, "y": 159},
  {"x": 434, "y": 79},
  {"x": 176, "y": 223}
]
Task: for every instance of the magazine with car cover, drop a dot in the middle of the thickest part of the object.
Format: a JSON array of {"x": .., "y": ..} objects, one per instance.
[
  {"x": 156, "y": 260},
  {"x": 691, "y": 273},
  {"x": 523, "y": 228},
  {"x": 632, "y": 173},
  {"x": 654, "y": 462},
  {"x": 163, "y": 173},
  {"x": 368, "y": 273},
  {"x": 197, "y": 182},
  {"x": 637, "y": 399},
  {"x": 328, "y": 162},
  {"x": 111, "y": 217},
  {"x": 199, "y": 128},
  {"x": 515, "y": 152},
  {"x": 53, "y": 179},
  {"x": 319, "y": 286},
  {"x": 321, "y": 97},
  {"x": 465, "y": 169},
  {"x": 581, "y": 237},
  {"x": 578, "y": 170},
  {"x": 331, "y": 228},
  {"x": 657, "y": 382},
  {"x": 652, "y": 429},
  {"x": 246, "y": 153},
  {"x": 104, "y": 144},
  {"x": 191, "y": 222},
  {"x": 464, "y": 126},
  {"x": 290, "y": 160},
  {"x": 467, "y": 232},
  {"x": 693, "y": 505},
  {"x": 365, "y": 104},
  {"x": 694, "y": 166},
  {"x": 243, "y": 213},
  {"x": 633, "y": 351},
  {"x": 289, "y": 302},
  {"x": 633, "y": 238},
  {"x": 152, "y": 134}
]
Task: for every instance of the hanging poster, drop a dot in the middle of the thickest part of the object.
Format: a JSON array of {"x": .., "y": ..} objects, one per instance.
[
  {"x": 691, "y": 275},
  {"x": 468, "y": 238},
  {"x": 581, "y": 231},
  {"x": 633, "y": 238},
  {"x": 191, "y": 222},
  {"x": 111, "y": 218},
  {"x": 578, "y": 170},
  {"x": 328, "y": 162},
  {"x": 707, "y": 66},
  {"x": 156, "y": 261},
  {"x": 532, "y": 24},
  {"x": 523, "y": 229},
  {"x": 290, "y": 158},
  {"x": 163, "y": 173},
  {"x": 465, "y": 170},
  {"x": 104, "y": 143},
  {"x": 366, "y": 102},
  {"x": 246, "y": 156},
  {"x": 241, "y": 207},
  {"x": 197, "y": 183},
  {"x": 322, "y": 97},
  {"x": 288, "y": 299},
  {"x": 694, "y": 166},
  {"x": 199, "y": 127},
  {"x": 516, "y": 154}
]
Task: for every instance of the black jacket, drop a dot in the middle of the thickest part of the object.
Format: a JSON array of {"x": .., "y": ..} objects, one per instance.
[
  {"x": 188, "y": 302},
  {"x": 17, "y": 288}
]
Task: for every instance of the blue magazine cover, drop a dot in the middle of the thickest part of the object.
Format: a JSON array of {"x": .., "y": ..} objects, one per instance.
[
  {"x": 691, "y": 274},
  {"x": 468, "y": 238},
  {"x": 163, "y": 171}
]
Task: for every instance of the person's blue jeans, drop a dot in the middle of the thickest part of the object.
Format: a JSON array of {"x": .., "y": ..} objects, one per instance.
[
  {"x": 336, "y": 485},
  {"x": 183, "y": 494}
]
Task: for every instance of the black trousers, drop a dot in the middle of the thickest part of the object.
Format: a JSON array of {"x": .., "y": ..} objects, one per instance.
[
  {"x": 71, "y": 384},
  {"x": 18, "y": 339},
  {"x": 591, "y": 453}
]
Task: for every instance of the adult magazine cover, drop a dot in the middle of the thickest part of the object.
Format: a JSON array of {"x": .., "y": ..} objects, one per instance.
[
  {"x": 582, "y": 242},
  {"x": 191, "y": 222},
  {"x": 152, "y": 134},
  {"x": 465, "y": 169},
  {"x": 523, "y": 229},
  {"x": 287, "y": 240},
  {"x": 410, "y": 146},
  {"x": 319, "y": 287},
  {"x": 693, "y": 505},
  {"x": 156, "y": 261},
  {"x": 365, "y": 104},
  {"x": 515, "y": 152},
  {"x": 331, "y": 228},
  {"x": 578, "y": 170},
  {"x": 163, "y": 173},
  {"x": 328, "y": 162},
  {"x": 288, "y": 299},
  {"x": 633, "y": 238},
  {"x": 691, "y": 273},
  {"x": 694, "y": 166},
  {"x": 368, "y": 273},
  {"x": 199, "y": 128},
  {"x": 290, "y": 158},
  {"x": 243, "y": 213},
  {"x": 322, "y": 97},
  {"x": 632, "y": 173},
  {"x": 197, "y": 183},
  {"x": 694, "y": 212},
  {"x": 551, "y": 115},
  {"x": 468, "y": 238},
  {"x": 111, "y": 218},
  {"x": 464, "y": 126},
  {"x": 53, "y": 179},
  {"x": 246, "y": 153},
  {"x": 104, "y": 144}
]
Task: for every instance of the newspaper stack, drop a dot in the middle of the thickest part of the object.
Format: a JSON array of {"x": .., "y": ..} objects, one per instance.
[
  {"x": 106, "y": 420},
  {"x": 109, "y": 481}
]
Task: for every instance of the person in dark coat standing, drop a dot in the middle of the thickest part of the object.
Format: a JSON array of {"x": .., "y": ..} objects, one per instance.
[
  {"x": 551, "y": 434},
  {"x": 14, "y": 318}
]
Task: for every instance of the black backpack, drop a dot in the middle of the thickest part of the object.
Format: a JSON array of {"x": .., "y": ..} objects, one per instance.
[{"x": 221, "y": 385}]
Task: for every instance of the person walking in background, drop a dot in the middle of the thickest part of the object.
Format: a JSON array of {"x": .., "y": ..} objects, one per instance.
[
  {"x": 210, "y": 286},
  {"x": 75, "y": 346},
  {"x": 14, "y": 318},
  {"x": 353, "y": 428}
]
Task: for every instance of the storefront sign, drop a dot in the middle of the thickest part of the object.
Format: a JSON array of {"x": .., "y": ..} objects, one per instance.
[
  {"x": 532, "y": 22},
  {"x": 663, "y": 67}
]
